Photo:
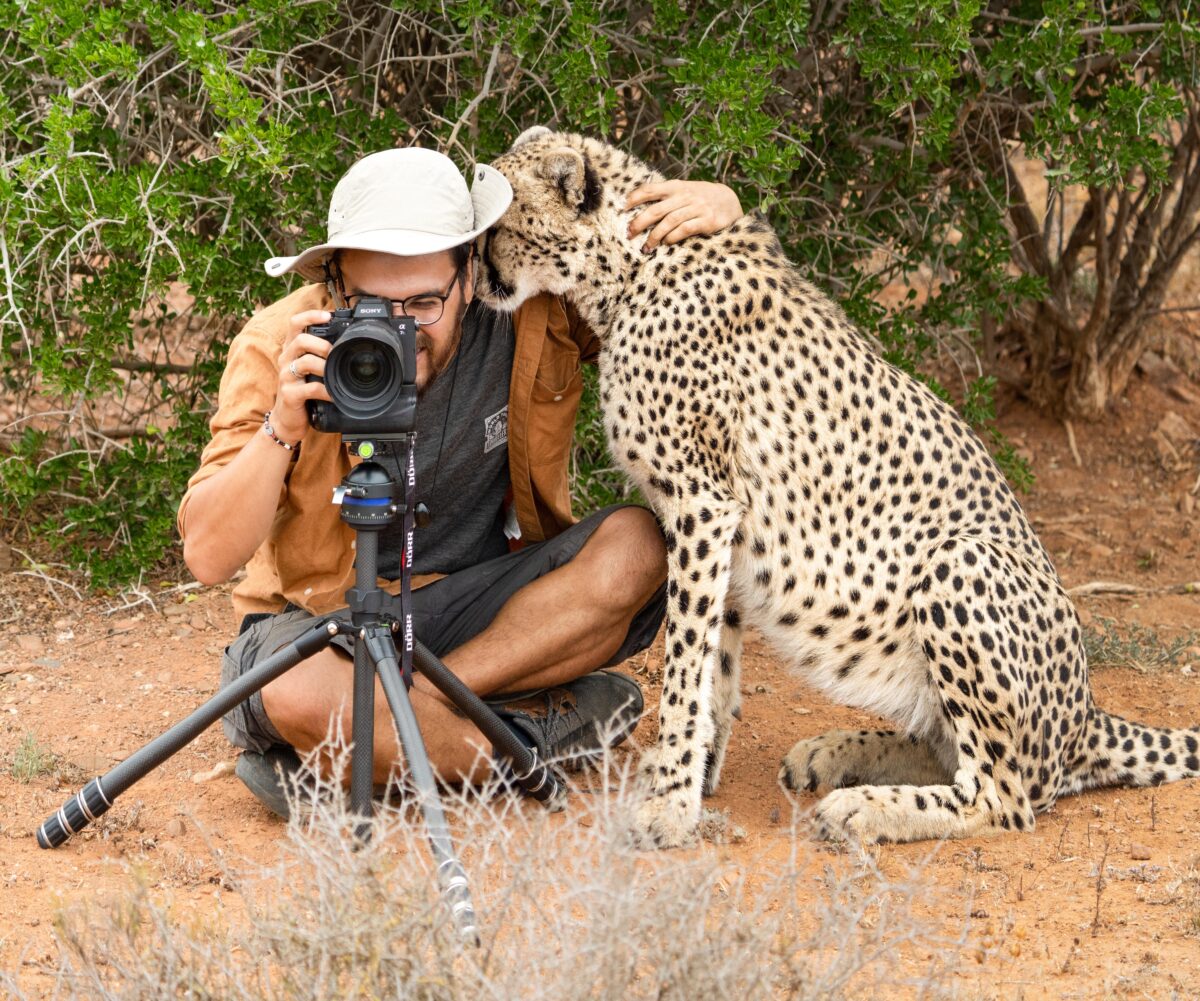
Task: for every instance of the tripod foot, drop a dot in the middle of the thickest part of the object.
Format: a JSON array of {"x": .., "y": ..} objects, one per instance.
[{"x": 541, "y": 781}]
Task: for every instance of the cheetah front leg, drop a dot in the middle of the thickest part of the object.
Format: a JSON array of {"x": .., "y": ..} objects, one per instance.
[
  {"x": 699, "y": 552},
  {"x": 727, "y": 697}
]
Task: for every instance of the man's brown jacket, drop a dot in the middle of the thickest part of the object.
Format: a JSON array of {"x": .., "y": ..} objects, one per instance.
[{"x": 307, "y": 558}]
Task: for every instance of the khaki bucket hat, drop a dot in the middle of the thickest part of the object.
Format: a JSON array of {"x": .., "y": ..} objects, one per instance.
[{"x": 406, "y": 202}]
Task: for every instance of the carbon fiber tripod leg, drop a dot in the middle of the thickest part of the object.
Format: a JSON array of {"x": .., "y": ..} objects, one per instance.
[
  {"x": 376, "y": 642},
  {"x": 98, "y": 795}
]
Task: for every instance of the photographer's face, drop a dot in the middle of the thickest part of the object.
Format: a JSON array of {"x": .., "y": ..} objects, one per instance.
[{"x": 368, "y": 273}]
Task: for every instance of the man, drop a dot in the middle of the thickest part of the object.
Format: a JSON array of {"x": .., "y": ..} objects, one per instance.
[{"x": 516, "y": 596}]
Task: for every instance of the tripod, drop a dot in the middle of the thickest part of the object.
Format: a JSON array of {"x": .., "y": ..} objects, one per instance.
[{"x": 368, "y": 505}]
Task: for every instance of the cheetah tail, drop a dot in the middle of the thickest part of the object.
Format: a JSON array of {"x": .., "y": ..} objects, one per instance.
[{"x": 1118, "y": 752}]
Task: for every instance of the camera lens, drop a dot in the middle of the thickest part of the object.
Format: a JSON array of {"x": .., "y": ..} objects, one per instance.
[{"x": 364, "y": 371}]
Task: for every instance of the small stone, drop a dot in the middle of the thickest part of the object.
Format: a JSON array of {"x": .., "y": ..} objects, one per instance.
[
  {"x": 176, "y": 611},
  {"x": 1187, "y": 670},
  {"x": 763, "y": 689},
  {"x": 124, "y": 625},
  {"x": 1099, "y": 551},
  {"x": 801, "y": 711},
  {"x": 47, "y": 662},
  {"x": 63, "y": 623},
  {"x": 92, "y": 762},
  {"x": 221, "y": 768},
  {"x": 198, "y": 622},
  {"x": 1176, "y": 429},
  {"x": 29, "y": 643},
  {"x": 1138, "y": 852},
  {"x": 175, "y": 828},
  {"x": 1157, "y": 368},
  {"x": 183, "y": 632}
]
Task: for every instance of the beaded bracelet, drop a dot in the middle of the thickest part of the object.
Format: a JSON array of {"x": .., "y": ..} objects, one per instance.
[{"x": 270, "y": 433}]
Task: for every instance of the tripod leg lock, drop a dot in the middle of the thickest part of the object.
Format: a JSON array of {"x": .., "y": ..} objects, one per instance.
[{"x": 372, "y": 602}]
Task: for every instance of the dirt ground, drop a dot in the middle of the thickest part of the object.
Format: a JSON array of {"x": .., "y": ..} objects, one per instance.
[{"x": 92, "y": 681}]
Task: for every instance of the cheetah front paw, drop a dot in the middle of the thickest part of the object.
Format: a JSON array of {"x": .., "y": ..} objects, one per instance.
[
  {"x": 853, "y": 814},
  {"x": 813, "y": 763},
  {"x": 667, "y": 821}
]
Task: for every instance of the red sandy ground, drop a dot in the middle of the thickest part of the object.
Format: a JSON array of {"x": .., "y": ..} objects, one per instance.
[{"x": 96, "y": 684}]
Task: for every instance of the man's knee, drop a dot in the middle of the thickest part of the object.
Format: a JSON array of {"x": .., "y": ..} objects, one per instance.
[
  {"x": 301, "y": 702},
  {"x": 626, "y": 557}
]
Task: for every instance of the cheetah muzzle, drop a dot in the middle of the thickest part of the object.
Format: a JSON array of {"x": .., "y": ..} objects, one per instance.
[{"x": 812, "y": 491}]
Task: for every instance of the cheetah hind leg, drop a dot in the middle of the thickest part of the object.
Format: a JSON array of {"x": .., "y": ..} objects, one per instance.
[
  {"x": 967, "y": 608},
  {"x": 861, "y": 757},
  {"x": 727, "y": 702}
]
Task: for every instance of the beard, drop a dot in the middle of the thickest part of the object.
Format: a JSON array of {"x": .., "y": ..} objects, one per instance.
[{"x": 438, "y": 357}]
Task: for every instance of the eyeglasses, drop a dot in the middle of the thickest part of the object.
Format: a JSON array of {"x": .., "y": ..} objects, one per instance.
[{"x": 426, "y": 307}]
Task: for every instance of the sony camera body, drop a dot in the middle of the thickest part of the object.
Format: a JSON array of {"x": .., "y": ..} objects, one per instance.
[{"x": 371, "y": 372}]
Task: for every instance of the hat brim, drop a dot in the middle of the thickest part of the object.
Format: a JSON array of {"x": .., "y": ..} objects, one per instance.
[{"x": 491, "y": 194}]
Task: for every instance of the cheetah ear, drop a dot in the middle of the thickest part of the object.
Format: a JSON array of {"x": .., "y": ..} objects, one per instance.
[
  {"x": 571, "y": 172},
  {"x": 530, "y": 134}
]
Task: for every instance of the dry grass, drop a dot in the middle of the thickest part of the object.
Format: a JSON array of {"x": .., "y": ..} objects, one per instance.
[
  {"x": 566, "y": 910},
  {"x": 1135, "y": 646},
  {"x": 30, "y": 760}
]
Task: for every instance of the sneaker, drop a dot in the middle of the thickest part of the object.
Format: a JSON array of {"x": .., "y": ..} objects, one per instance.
[
  {"x": 577, "y": 721},
  {"x": 265, "y": 775},
  {"x": 269, "y": 774}
]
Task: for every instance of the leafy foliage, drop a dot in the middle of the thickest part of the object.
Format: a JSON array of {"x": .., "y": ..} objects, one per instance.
[
  {"x": 152, "y": 155},
  {"x": 1135, "y": 646}
]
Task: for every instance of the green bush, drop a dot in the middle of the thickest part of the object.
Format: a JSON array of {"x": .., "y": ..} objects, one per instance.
[{"x": 153, "y": 154}]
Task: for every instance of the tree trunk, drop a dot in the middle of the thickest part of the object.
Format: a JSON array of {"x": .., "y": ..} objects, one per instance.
[{"x": 1087, "y": 389}]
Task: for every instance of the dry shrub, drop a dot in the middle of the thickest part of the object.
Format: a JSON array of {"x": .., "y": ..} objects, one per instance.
[{"x": 566, "y": 910}]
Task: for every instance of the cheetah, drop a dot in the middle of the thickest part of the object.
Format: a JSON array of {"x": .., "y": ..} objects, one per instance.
[{"x": 812, "y": 491}]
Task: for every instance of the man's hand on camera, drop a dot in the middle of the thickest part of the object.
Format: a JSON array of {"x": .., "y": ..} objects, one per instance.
[
  {"x": 302, "y": 355},
  {"x": 679, "y": 209}
]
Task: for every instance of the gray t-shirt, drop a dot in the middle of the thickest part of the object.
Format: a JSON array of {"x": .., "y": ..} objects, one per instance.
[{"x": 462, "y": 454}]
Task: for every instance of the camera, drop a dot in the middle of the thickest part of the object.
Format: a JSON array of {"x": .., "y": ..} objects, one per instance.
[{"x": 371, "y": 372}]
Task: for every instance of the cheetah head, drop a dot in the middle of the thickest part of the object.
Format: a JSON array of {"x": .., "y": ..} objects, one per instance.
[{"x": 567, "y": 222}]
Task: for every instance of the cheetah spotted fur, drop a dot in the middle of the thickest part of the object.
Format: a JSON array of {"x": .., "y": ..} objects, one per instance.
[{"x": 812, "y": 491}]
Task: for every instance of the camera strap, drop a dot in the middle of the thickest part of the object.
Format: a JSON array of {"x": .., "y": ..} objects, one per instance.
[{"x": 410, "y": 501}]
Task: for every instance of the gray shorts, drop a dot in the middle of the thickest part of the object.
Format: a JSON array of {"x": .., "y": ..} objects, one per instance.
[{"x": 446, "y": 614}]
